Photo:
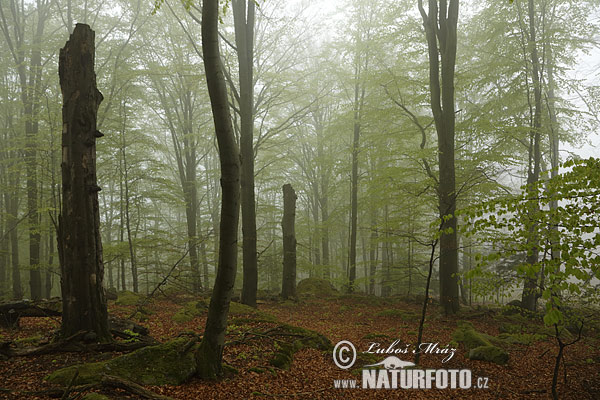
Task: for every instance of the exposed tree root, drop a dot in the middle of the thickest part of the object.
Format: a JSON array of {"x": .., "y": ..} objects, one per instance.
[{"x": 107, "y": 382}]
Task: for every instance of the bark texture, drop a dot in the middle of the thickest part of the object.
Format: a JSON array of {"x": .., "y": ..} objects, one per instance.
[{"x": 80, "y": 245}]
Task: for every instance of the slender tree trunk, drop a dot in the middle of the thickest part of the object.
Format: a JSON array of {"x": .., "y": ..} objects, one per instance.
[
  {"x": 31, "y": 103},
  {"x": 49, "y": 269},
  {"x": 288, "y": 287},
  {"x": 132, "y": 258},
  {"x": 530, "y": 287},
  {"x": 354, "y": 185},
  {"x": 317, "y": 231},
  {"x": 243, "y": 15},
  {"x": 122, "y": 225},
  {"x": 554, "y": 145},
  {"x": 440, "y": 29},
  {"x": 210, "y": 353},
  {"x": 191, "y": 212},
  {"x": 12, "y": 209},
  {"x": 80, "y": 244},
  {"x": 373, "y": 251},
  {"x": 3, "y": 252}
]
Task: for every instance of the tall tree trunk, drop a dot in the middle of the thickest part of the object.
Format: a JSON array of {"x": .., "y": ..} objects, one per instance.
[
  {"x": 210, "y": 353},
  {"x": 554, "y": 145},
  {"x": 530, "y": 287},
  {"x": 12, "y": 209},
  {"x": 49, "y": 269},
  {"x": 3, "y": 252},
  {"x": 288, "y": 287},
  {"x": 373, "y": 251},
  {"x": 243, "y": 15},
  {"x": 122, "y": 226},
  {"x": 323, "y": 190},
  {"x": 31, "y": 103},
  {"x": 80, "y": 244},
  {"x": 317, "y": 231},
  {"x": 354, "y": 181},
  {"x": 440, "y": 29},
  {"x": 132, "y": 258}
]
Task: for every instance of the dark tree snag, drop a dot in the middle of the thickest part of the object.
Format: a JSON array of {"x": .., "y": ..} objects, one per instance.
[
  {"x": 79, "y": 241},
  {"x": 209, "y": 355},
  {"x": 288, "y": 287}
]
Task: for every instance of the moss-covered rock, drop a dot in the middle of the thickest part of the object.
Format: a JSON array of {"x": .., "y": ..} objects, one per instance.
[
  {"x": 315, "y": 287},
  {"x": 191, "y": 310},
  {"x": 469, "y": 337},
  {"x": 489, "y": 353},
  {"x": 128, "y": 298},
  {"x": 509, "y": 328},
  {"x": 165, "y": 364},
  {"x": 302, "y": 338}
]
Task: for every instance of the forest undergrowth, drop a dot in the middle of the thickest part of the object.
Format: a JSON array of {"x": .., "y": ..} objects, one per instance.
[{"x": 253, "y": 347}]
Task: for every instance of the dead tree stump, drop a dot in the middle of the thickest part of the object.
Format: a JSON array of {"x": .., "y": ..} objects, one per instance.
[{"x": 79, "y": 243}]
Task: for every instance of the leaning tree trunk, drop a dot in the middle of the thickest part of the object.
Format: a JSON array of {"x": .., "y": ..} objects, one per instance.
[
  {"x": 210, "y": 353},
  {"x": 80, "y": 245},
  {"x": 288, "y": 287}
]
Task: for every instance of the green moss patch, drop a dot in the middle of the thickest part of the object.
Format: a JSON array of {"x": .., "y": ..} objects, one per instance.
[
  {"x": 296, "y": 338},
  {"x": 469, "y": 337},
  {"x": 315, "y": 287},
  {"x": 27, "y": 341},
  {"x": 489, "y": 353},
  {"x": 128, "y": 298},
  {"x": 165, "y": 364},
  {"x": 521, "y": 338},
  {"x": 190, "y": 310}
]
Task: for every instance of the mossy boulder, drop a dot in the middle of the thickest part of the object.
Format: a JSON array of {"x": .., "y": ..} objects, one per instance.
[
  {"x": 302, "y": 338},
  {"x": 315, "y": 287},
  {"x": 489, "y": 353},
  {"x": 128, "y": 298},
  {"x": 165, "y": 364},
  {"x": 469, "y": 337},
  {"x": 190, "y": 310}
]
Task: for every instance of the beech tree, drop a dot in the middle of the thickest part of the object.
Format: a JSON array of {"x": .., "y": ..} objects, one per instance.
[
  {"x": 440, "y": 30},
  {"x": 210, "y": 353},
  {"x": 288, "y": 287}
]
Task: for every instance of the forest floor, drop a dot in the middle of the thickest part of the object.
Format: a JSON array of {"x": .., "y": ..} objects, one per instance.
[{"x": 361, "y": 320}]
